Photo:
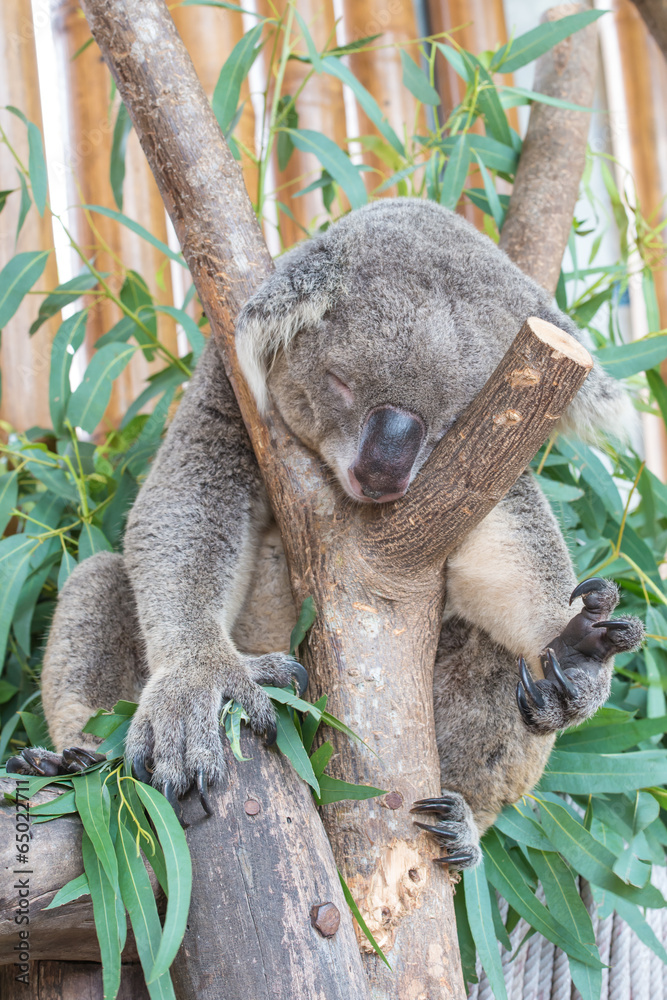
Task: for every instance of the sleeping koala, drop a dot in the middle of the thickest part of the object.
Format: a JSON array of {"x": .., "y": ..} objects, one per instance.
[{"x": 372, "y": 339}]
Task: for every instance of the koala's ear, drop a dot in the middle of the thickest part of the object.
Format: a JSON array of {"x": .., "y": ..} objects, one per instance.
[{"x": 301, "y": 290}]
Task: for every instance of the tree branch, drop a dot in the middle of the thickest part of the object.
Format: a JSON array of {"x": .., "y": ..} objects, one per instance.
[
  {"x": 539, "y": 218},
  {"x": 379, "y": 612}
]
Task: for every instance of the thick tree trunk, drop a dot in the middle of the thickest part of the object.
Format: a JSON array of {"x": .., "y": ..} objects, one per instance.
[
  {"x": 539, "y": 218},
  {"x": 378, "y": 580}
]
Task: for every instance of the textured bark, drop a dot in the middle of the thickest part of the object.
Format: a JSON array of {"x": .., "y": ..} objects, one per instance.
[
  {"x": 539, "y": 218},
  {"x": 378, "y": 580},
  {"x": 654, "y": 13},
  {"x": 70, "y": 981}
]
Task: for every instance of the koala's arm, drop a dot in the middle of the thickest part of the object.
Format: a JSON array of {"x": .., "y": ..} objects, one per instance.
[{"x": 189, "y": 547}]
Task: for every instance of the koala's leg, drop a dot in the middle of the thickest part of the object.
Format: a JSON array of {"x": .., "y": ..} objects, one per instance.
[
  {"x": 512, "y": 576},
  {"x": 488, "y": 756},
  {"x": 94, "y": 658},
  {"x": 190, "y": 547}
]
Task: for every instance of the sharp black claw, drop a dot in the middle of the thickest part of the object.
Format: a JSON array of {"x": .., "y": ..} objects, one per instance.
[
  {"x": 444, "y": 834},
  {"x": 170, "y": 795},
  {"x": 140, "y": 770},
  {"x": 529, "y": 684},
  {"x": 78, "y": 759},
  {"x": 455, "y": 860},
  {"x": 443, "y": 805},
  {"x": 202, "y": 788},
  {"x": 43, "y": 766},
  {"x": 271, "y": 734},
  {"x": 594, "y": 585},
  {"x": 566, "y": 684},
  {"x": 300, "y": 676},
  {"x": 15, "y": 765},
  {"x": 616, "y": 623},
  {"x": 522, "y": 702},
  {"x": 445, "y": 800}
]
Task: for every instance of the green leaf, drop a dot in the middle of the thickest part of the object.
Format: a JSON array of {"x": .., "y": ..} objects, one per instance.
[
  {"x": 89, "y": 401},
  {"x": 635, "y": 919},
  {"x": 196, "y": 338},
  {"x": 558, "y": 492},
  {"x": 24, "y": 207},
  {"x": 284, "y": 145},
  {"x": 66, "y": 342},
  {"x": 522, "y": 50},
  {"x": 455, "y": 172},
  {"x": 62, "y": 805},
  {"x": 578, "y": 773},
  {"x": 335, "y": 790},
  {"x": 15, "y": 553},
  {"x": 289, "y": 742},
  {"x": 334, "y": 67},
  {"x": 349, "y": 899},
  {"x": 505, "y": 874},
  {"x": 105, "y": 913},
  {"x": 64, "y": 295},
  {"x": 455, "y": 60},
  {"x": 72, "y": 890},
  {"x": 4, "y": 195},
  {"x": 121, "y": 131},
  {"x": 497, "y": 210},
  {"x": 35, "y": 727},
  {"x": 179, "y": 875},
  {"x": 480, "y": 921},
  {"x": 321, "y": 758},
  {"x": 92, "y": 540},
  {"x": 416, "y": 81},
  {"x": 307, "y": 616},
  {"x": 495, "y": 155},
  {"x": 37, "y": 167},
  {"x": 311, "y": 723},
  {"x": 90, "y": 804},
  {"x": 313, "y": 54},
  {"x": 9, "y": 492},
  {"x": 589, "y": 857},
  {"x": 517, "y": 822},
  {"x": 114, "y": 745},
  {"x": 233, "y": 715},
  {"x": 237, "y": 66},
  {"x": 624, "y": 360},
  {"x": 511, "y": 97},
  {"x": 17, "y": 278},
  {"x": 134, "y": 227},
  {"x": 138, "y": 897},
  {"x": 488, "y": 101},
  {"x": 466, "y": 943},
  {"x": 595, "y": 474},
  {"x": 614, "y": 738},
  {"x": 334, "y": 160},
  {"x": 67, "y": 566},
  {"x": 564, "y": 902}
]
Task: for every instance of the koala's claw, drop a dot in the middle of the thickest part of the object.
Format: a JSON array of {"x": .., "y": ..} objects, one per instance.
[
  {"x": 271, "y": 734},
  {"x": 577, "y": 662},
  {"x": 141, "y": 770},
  {"x": 300, "y": 675},
  {"x": 455, "y": 827},
  {"x": 171, "y": 796},
  {"x": 202, "y": 788},
  {"x": 46, "y": 764}
]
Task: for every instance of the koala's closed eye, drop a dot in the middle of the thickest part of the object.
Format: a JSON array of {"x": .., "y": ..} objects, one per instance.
[{"x": 341, "y": 388}]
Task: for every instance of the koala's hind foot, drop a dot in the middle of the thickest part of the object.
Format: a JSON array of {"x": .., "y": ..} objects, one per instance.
[
  {"x": 578, "y": 663},
  {"x": 47, "y": 764},
  {"x": 454, "y": 825}
]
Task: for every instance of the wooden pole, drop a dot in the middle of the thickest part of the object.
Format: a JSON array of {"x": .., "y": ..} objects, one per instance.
[
  {"x": 552, "y": 160},
  {"x": 654, "y": 13},
  {"x": 25, "y": 397}
]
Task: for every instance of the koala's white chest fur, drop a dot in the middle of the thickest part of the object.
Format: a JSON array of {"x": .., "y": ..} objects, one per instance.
[{"x": 268, "y": 614}]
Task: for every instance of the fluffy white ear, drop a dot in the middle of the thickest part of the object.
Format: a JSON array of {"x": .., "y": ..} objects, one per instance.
[{"x": 302, "y": 289}]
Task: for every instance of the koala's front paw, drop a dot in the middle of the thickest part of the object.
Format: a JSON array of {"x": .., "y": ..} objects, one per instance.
[
  {"x": 174, "y": 740},
  {"x": 455, "y": 826},
  {"x": 577, "y": 671}
]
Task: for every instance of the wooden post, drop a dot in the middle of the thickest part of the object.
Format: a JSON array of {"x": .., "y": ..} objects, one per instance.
[
  {"x": 654, "y": 13},
  {"x": 25, "y": 398}
]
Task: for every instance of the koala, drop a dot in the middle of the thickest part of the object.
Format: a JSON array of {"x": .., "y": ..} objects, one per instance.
[{"x": 372, "y": 338}]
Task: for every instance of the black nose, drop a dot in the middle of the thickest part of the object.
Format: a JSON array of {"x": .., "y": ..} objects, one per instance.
[{"x": 389, "y": 444}]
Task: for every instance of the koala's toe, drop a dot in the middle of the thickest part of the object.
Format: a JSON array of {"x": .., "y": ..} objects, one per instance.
[
  {"x": 452, "y": 822},
  {"x": 278, "y": 669}
]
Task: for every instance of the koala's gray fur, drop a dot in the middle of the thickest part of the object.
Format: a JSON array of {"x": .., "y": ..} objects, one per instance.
[{"x": 405, "y": 303}]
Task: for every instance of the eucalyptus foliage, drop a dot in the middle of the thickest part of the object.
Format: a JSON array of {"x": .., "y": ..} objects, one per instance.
[{"x": 598, "y": 812}]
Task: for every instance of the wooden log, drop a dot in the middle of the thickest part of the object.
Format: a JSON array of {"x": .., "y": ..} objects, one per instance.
[
  {"x": 552, "y": 161},
  {"x": 70, "y": 981},
  {"x": 25, "y": 397},
  {"x": 202, "y": 188},
  {"x": 654, "y": 13}
]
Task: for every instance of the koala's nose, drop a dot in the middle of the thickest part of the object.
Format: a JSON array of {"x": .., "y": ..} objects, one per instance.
[{"x": 389, "y": 444}]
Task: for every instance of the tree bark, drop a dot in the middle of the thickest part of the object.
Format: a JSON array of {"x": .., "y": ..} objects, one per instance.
[
  {"x": 654, "y": 13},
  {"x": 539, "y": 218},
  {"x": 379, "y": 610}
]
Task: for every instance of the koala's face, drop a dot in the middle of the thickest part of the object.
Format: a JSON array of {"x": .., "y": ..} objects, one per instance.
[{"x": 373, "y": 386}]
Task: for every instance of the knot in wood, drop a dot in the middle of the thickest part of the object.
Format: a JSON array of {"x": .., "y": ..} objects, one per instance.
[
  {"x": 523, "y": 378},
  {"x": 509, "y": 417},
  {"x": 325, "y": 918},
  {"x": 394, "y": 800},
  {"x": 252, "y": 807}
]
